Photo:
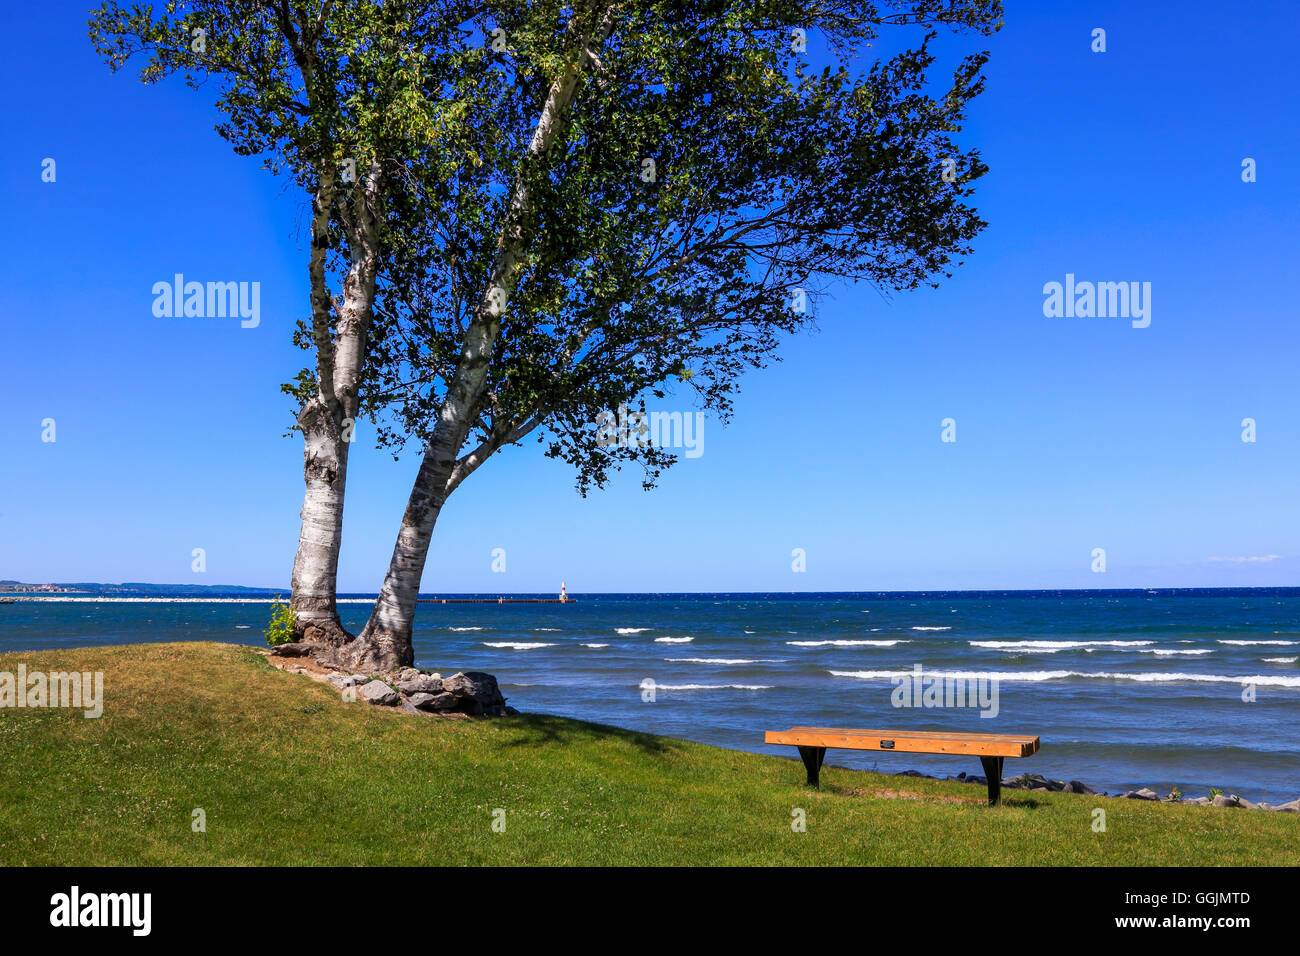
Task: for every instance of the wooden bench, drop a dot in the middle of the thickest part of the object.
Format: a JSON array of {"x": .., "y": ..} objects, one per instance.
[{"x": 990, "y": 748}]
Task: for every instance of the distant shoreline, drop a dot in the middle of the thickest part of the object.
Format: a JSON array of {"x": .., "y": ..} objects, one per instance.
[{"x": 225, "y": 592}]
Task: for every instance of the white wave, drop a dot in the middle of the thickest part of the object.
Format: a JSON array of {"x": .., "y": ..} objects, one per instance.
[
  {"x": 1255, "y": 643},
  {"x": 242, "y": 627},
  {"x": 932, "y": 628},
  {"x": 713, "y": 686},
  {"x": 1053, "y": 646},
  {"x": 1281, "y": 660},
  {"x": 1166, "y": 652},
  {"x": 595, "y": 645},
  {"x": 726, "y": 660},
  {"x": 464, "y": 628},
  {"x": 749, "y": 632},
  {"x": 516, "y": 645},
  {"x": 546, "y": 629},
  {"x": 673, "y": 640},
  {"x": 847, "y": 643},
  {"x": 1037, "y": 676},
  {"x": 630, "y": 630}
]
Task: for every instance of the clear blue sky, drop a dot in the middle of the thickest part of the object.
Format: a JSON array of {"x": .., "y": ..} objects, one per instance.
[{"x": 1072, "y": 433}]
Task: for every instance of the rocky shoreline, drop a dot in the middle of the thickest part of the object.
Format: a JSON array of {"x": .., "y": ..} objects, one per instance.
[
  {"x": 470, "y": 694},
  {"x": 1033, "y": 781}
]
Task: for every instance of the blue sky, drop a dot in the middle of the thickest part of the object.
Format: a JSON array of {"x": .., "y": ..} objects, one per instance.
[{"x": 1072, "y": 433}]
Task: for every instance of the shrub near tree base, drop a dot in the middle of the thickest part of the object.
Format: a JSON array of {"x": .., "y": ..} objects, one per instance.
[{"x": 280, "y": 630}]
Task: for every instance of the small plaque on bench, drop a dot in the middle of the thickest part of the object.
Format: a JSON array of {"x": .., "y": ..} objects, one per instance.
[{"x": 886, "y": 745}]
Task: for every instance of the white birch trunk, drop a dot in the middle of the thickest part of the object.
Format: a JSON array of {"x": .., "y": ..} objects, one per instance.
[
  {"x": 315, "y": 567},
  {"x": 325, "y": 418}
]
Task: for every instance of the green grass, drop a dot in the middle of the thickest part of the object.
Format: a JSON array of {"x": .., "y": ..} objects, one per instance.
[{"x": 288, "y": 773}]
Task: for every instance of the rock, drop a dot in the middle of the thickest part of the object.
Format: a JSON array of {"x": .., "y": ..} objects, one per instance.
[
  {"x": 1223, "y": 800},
  {"x": 434, "y": 701},
  {"x": 511, "y": 712},
  {"x": 346, "y": 680},
  {"x": 420, "y": 685},
  {"x": 408, "y": 673},
  {"x": 476, "y": 686},
  {"x": 913, "y": 773},
  {"x": 296, "y": 649},
  {"x": 1246, "y": 804},
  {"x": 377, "y": 692},
  {"x": 1074, "y": 786},
  {"x": 1292, "y": 807},
  {"x": 1197, "y": 801},
  {"x": 1146, "y": 793},
  {"x": 1032, "y": 781}
]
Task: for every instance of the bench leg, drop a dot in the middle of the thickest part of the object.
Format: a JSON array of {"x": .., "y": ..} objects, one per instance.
[
  {"x": 812, "y": 759},
  {"x": 993, "y": 773}
]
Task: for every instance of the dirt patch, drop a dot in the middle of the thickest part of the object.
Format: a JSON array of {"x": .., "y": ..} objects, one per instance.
[{"x": 296, "y": 665}]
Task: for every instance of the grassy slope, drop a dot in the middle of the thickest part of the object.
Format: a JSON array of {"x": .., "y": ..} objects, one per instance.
[{"x": 287, "y": 773}]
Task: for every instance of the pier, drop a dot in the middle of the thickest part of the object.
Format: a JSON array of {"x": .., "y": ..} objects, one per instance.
[
  {"x": 503, "y": 600},
  {"x": 562, "y": 599}
]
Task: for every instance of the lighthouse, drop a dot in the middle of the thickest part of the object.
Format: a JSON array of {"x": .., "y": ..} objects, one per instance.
[{"x": 563, "y": 596}]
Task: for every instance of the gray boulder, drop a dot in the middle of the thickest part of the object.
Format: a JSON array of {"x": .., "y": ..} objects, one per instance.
[
  {"x": 377, "y": 692},
  {"x": 433, "y": 701},
  {"x": 1197, "y": 801},
  {"x": 420, "y": 685},
  {"x": 1074, "y": 786},
  {"x": 474, "y": 686},
  {"x": 1145, "y": 793},
  {"x": 1291, "y": 807},
  {"x": 1223, "y": 800},
  {"x": 346, "y": 680}
]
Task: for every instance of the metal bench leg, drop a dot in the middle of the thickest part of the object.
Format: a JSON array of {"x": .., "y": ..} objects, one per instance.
[
  {"x": 993, "y": 773},
  {"x": 812, "y": 759}
]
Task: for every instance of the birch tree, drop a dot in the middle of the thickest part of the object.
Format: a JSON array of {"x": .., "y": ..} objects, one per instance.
[
  {"x": 665, "y": 193},
  {"x": 337, "y": 98}
]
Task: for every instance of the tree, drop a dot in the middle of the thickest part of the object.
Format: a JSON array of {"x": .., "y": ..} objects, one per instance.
[
  {"x": 533, "y": 212},
  {"x": 660, "y": 189},
  {"x": 339, "y": 98}
]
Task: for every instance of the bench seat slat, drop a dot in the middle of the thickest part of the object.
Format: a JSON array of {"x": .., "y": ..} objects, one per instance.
[{"x": 918, "y": 741}]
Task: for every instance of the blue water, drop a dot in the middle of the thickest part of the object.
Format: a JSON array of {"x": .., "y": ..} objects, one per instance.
[{"x": 757, "y": 662}]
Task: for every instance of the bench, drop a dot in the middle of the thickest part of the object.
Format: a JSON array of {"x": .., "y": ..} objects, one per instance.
[{"x": 990, "y": 748}]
